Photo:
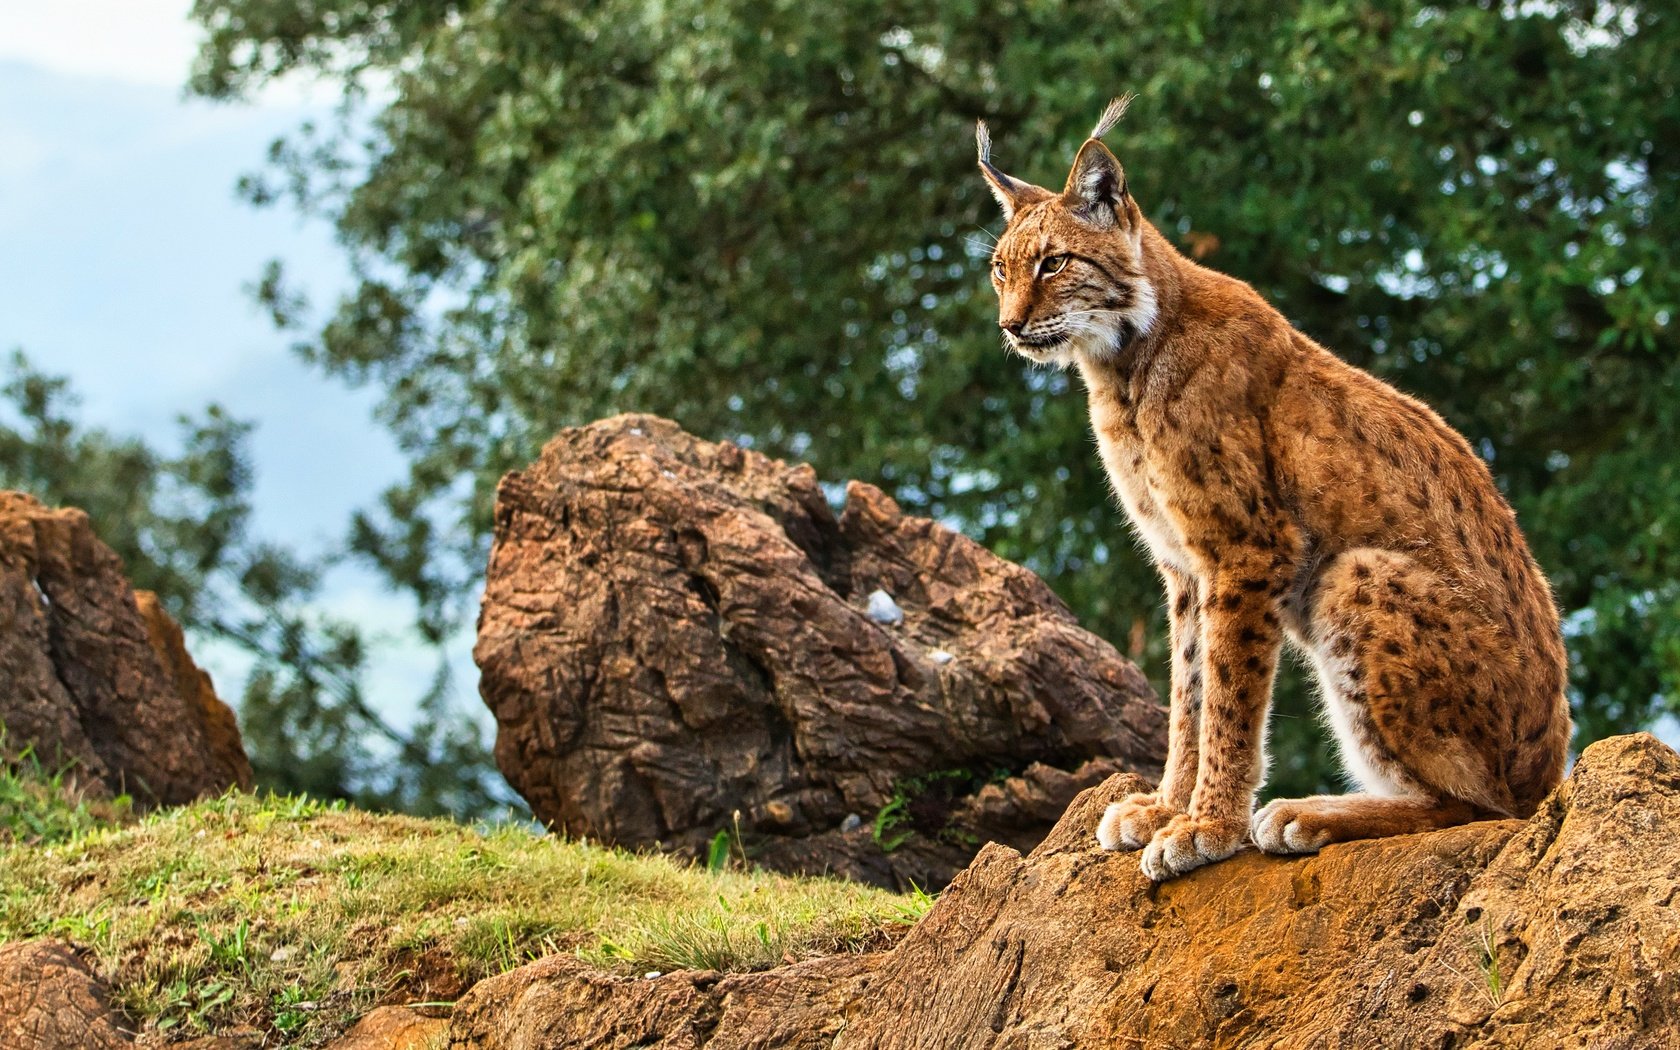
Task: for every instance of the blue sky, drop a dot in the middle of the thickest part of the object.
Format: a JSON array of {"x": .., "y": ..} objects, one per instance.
[{"x": 124, "y": 256}]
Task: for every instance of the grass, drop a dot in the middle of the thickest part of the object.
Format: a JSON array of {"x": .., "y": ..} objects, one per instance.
[
  {"x": 40, "y": 808},
  {"x": 295, "y": 916},
  {"x": 1486, "y": 943},
  {"x": 1488, "y": 963}
]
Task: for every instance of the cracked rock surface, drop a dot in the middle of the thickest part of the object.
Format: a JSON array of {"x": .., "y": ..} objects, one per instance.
[
  {"x": 675, "y": 631},
  {"x": 51, "y": 1000},
  {"x": 1559, "y": 931},
  {"x": 94, "y": 675}
]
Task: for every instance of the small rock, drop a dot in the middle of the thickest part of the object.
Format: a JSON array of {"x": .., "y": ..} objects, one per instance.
[
  {"x": 851, "y": 823},
  {"x": 651, "y": 974},
  {"x": 280, "y": 954},
  {"x": 393, "y": 1028},
  {"x": 940, "y": 656},
  {"x": 883, "y": 610}
]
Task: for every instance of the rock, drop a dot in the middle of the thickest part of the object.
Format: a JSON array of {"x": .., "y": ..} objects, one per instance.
[
  {"x": 1559, "y": 931},
  {"x": 50, "y": 1000},
  {"x": 675, "y": 631},
  {"x": 882, "y": 609},
  {"x": 228, "y": 762},
  {"x": 92, "y": 675},
  {"x": 561, "y": 1002},
  {"x": 393, "y": 1028},
  {"x": 243, "y": 1037}
]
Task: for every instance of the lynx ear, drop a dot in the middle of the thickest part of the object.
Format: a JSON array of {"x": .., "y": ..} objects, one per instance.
[
  {"x": 1096, "y": 187},
  {"x": 1011, "y": 193}
]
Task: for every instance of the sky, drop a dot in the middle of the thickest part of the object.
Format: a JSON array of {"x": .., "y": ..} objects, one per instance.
[{"x": 124, "y": 262}]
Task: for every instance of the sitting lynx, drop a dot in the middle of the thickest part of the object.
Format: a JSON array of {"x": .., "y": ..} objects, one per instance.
[{"x": 1285, "y": 493}]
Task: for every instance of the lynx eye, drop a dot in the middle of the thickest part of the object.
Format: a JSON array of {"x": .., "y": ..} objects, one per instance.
[
  {"x": 997, "y": 269},
  {"x": 1051, "y": 265}
]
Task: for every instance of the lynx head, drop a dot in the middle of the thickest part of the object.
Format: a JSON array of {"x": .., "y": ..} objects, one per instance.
[{"x": 1068, "y": 268}]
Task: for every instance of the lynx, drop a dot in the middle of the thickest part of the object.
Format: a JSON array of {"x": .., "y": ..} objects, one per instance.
[{"x": 1285, "y": 494}]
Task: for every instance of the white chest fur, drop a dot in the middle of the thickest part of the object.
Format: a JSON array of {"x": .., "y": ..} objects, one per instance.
[{"x": 1128, "y": 471}]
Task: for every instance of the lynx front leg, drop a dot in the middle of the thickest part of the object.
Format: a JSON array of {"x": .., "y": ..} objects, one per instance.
[
  {"x": 1134, "y": 820},
  {"x": 1241, "y": 638}
]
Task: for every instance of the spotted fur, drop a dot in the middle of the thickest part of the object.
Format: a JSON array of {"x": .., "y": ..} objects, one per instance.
[{"x": 1286, "y": 495}]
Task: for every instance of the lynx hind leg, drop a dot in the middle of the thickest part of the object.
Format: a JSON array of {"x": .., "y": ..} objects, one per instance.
[
  {"x": 1305, "y": 825},
  {"x": 1411, "y": 690}
]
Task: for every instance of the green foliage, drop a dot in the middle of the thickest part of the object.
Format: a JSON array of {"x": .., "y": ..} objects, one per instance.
[
  {"x": 923, "y": 803},
  {"x": 182, "y": 526},
  {"x": 39, "y": 808},
  {"x": 728, "y": 847},
  {"x": 888, "y": 831},
  {"x": 917, "y": 903},
  {"x": 762, "y": 218}
]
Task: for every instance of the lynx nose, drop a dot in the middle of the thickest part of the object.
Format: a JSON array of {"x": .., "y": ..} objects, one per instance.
[{"x": 1012, "y": 327}]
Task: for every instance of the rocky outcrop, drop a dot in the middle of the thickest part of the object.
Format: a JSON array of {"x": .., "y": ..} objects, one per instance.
[
  {"x": 94, "y": 676},
  {"x": 675, "y": 632},
  {"x": 1559, "y": 931}
]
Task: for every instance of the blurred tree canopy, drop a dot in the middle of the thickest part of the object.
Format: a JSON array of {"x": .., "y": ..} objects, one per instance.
[
  {"x": 762, "y": 218},
  {"x": 182, "y": 526}
]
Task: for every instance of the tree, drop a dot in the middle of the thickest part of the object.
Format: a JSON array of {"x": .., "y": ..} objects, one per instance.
[
  {"x": 762, "y": 218},
  {"x": 181, "y": 524}
]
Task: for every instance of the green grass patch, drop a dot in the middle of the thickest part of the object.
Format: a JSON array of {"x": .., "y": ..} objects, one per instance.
[
  {"x": 296, "y": 917},
  {"x": 41, "y": 808}
]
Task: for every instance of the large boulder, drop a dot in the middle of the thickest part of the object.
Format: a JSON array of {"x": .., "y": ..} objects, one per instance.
[
  {"x": 1558, "y": 931},
  {"x": 94, "y": 675},
  {"x": 676, "y": 632}
]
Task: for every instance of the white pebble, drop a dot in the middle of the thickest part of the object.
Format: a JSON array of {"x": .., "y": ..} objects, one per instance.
[
  {"x": 851, "y": 823},
  {"x": 940, "y": 656},
  {"x": 882, "y": 609}
]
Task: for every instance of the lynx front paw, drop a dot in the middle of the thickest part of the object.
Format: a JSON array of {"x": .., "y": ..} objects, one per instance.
[
  {"x": 1287, "y": 826},
  {"x": 1133, "y": 821},
  {"x": 1187, "y": 843}
]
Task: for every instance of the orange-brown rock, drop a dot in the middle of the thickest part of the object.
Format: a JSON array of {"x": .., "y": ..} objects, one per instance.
[
  {"x": 93, "y": 677},
  {"x": 1559, "y": 931},
  {"x": 228, "y": 762},
  {"x": 393, "y": 1028},
  {"x": 561, "y": 1002},
  {"x": 676, "y": 631},
  {"x": 51, "y": 1000}
]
